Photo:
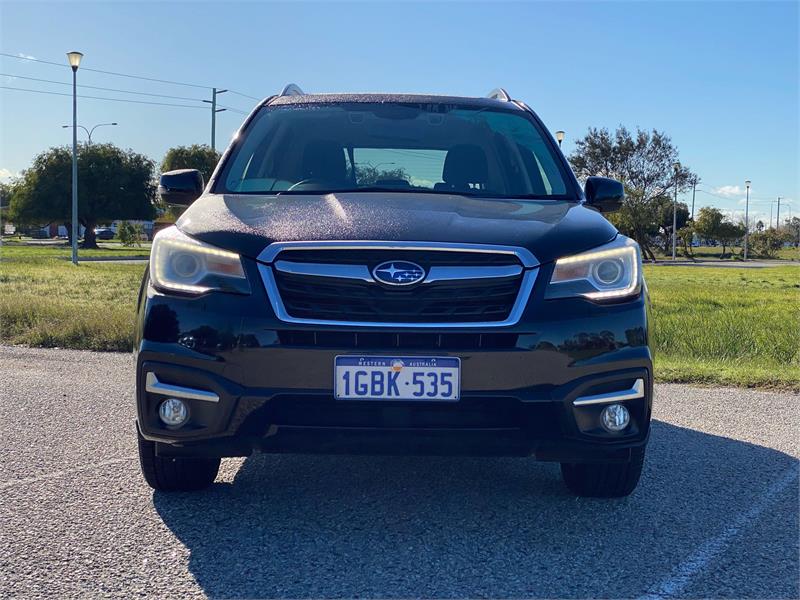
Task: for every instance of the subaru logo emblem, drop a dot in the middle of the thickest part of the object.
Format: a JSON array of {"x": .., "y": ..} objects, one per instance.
[{"x": 398, "y": 272}]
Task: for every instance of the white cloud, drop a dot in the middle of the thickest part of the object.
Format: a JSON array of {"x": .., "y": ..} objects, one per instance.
[
  {"x": 6, "y": 174},
  {"x": 729, "y": 191}
]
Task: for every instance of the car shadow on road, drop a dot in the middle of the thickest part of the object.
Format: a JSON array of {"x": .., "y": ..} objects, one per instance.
[{"x": 351, "y": 526}]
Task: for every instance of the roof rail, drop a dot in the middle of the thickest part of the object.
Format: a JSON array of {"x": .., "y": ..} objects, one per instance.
[
  {"x": 499, "y": 94},
  {"x": 291, "y": 89}
]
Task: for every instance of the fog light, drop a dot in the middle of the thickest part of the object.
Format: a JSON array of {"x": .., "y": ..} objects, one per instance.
[
  {"x": 173, "y": 412},
  {"x": 615, "y": 418}
]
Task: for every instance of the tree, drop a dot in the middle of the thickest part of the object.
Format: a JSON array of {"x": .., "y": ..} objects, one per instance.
[
  {"x": 366, "y": 174},
  {"x": 686, "y": 237},
  {"x": 707, "y": 223},
  {"x": 197, "y": 156},
  {"x": 767, "y": 243},
  {"x": 729, "y": 234},
  {"x": 793, "y": 226},
  {"x": 665, "y": 220},
  {"x": 112, "y": 184},
  {"x": 644, "y": 163}
]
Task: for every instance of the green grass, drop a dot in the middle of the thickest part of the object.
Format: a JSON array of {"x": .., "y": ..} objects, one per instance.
[
  {"x": 14, "y": 250},
  {"x": 709, "y": 325},
  {"x": 729, "y": 326},
  {"x": 731, "y": 254},
  {"x": 51, "y": 303}
]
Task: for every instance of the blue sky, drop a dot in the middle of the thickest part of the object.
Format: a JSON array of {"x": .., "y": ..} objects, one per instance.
[{"x": 720, "y": 77}]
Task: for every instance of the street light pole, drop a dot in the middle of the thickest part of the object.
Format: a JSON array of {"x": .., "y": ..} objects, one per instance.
[
  {"x": 677, "y": 167},
  {"x": 747, "y": 219},
  {"x": 89, "y": 132},
  {"x": 74, "y": 62},
  {"x": 214, "y": 111},
  {"x": 694, "y": 189}
]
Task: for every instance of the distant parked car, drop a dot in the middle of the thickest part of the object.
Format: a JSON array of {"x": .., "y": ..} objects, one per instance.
[{"x": 104, "y": 233}]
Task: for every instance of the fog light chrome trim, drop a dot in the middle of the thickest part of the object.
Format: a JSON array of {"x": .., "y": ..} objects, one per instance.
[
  {"x": 637, "y": 391},
  {"x": 154, "y": 386}
]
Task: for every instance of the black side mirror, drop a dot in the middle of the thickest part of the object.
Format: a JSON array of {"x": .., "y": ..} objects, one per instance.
[
  {"x": 182, "y": 186},
  {"x": 604, "y": 194}
]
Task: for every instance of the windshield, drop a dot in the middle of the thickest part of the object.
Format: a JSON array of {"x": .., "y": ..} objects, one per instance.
[{"x": 320, "y": 148}]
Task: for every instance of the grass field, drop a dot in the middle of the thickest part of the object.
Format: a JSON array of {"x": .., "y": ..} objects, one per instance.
[
  {"x": 13, "y": 250},
  {"x": 715, "y": 326},
  {"x": 731, "y": 254}
]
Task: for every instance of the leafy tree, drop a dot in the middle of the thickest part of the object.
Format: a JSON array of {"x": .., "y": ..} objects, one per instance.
[
  {"x": 665, "y": 220},
  {"x": 130, "y": 234},
  {"x": 112, "y": 184},
  {"x": 707, "y": 223},
  {"x": 644, "y": 162},
  {"x": 760, "y": 226},
  {"x": 767, "y": 243},
  {"x": 197, "y": 156},
  {"x": 729, "y": 234},
  {"x": 685, "y": 237},
  {"x": 366, "y": 174},
  {"x": 793, "y": 226}
]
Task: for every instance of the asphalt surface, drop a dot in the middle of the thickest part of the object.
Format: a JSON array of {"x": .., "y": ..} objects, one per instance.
[{"x": 715, "y": 515}]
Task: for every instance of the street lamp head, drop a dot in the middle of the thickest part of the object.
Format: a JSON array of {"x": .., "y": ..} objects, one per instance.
[
  {"x": 560, "y": 136},
  {"x": 74, "y": 59},
  {"x": 747, "y": 183},
  {"x": 114, "y": 123}
]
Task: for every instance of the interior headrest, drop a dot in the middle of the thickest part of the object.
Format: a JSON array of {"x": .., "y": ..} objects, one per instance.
[
  {"x": 324, "y": 160},
  {"x": 465, "y": 163}
]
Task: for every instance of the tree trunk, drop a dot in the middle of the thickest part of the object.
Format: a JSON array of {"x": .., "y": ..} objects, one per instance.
[
  {"x": 723, "y": 251},
  {"x": 68, "y": 227},
  {"x": 89, "y": 240}
]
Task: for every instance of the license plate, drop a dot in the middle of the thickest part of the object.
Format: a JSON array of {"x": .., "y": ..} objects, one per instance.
[{"x": 397, "y": 378}]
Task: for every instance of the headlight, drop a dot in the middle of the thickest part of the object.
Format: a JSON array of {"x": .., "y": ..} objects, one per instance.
[
  {"x": 182, "y": 264},
  {"x": 610, "y": 272}
]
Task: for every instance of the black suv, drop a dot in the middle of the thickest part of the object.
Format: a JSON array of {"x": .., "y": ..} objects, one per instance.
[{"x": 393, "y": 274}]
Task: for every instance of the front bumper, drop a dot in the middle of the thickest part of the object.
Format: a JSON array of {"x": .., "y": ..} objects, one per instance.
[{"x": 273, "y": 381}]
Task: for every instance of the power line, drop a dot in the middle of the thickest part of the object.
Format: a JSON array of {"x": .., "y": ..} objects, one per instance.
[
  {"x": 94, "y": 87},
  {"x": 5, "y": 87},
  {"x": 236, "y": 110},
  {"x": 245, "y": 95},
  {"x": 116, "y": 74}
]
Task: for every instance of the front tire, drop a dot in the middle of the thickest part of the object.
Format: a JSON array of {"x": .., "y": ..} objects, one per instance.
[
  {"x": 175, "y": 474},
  {"x": 604, "y": 480}
]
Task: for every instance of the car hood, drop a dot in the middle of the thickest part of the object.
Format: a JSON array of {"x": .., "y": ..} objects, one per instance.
[{"x": 246, "y": 224}]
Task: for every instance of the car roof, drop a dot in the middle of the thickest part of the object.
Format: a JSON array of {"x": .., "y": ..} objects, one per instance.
[{"x": 296, "y": 99}]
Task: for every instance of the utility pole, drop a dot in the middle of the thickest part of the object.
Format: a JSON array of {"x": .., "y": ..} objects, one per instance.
[
  {"x": 747, "y": 219},
  {"x": 677, "y": 166},
  {"x": 694, "y": 188},
  {"x": 214, "y": 111},
  {"x": 778, "y": 218}
]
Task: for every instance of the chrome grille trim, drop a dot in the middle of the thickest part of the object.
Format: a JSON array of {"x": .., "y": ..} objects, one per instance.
[
  {"x": 270, "y": 253},
  {"x": 268, "y": 256},
  {"x": 362, "y": 273}
]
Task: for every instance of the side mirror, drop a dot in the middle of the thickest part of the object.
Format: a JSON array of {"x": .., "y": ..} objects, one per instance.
[
  {"x": 182, "y": 186},
  {"x": 604, "y": 194}
]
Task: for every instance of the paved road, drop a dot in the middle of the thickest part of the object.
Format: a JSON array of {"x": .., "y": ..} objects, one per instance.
[{"x": 716, "y": 513}]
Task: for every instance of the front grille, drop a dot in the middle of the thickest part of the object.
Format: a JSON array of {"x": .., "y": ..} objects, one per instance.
[
  {"x": 333, "y": 283},
  {"x": 404, "y": 341},
  {"x": 329, "y": 298}
]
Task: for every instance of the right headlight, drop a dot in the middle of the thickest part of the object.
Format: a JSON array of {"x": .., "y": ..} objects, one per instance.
[
  {"x": 609, "y": 272},
  {"x": 183, "y": 264}
]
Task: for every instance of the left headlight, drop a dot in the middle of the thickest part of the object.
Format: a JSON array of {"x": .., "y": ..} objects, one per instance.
[
  {"x": 182, "y": 264},
  {"x": 610, "y": 272}
]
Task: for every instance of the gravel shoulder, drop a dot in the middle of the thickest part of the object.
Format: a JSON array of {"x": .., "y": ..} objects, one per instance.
[{"x": 716, "y": 513}]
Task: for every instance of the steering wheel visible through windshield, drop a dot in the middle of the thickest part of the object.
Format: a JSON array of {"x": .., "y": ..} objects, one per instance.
[{"x": 333, "y": 147}]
